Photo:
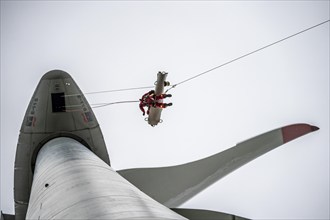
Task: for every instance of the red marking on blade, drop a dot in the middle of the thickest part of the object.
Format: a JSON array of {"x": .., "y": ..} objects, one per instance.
[
  {"x": 84, "y": 117},
  {"x": 314, "y": 128},
  {"x": 34, "y": 121},
  {"x": 294, "y": 131}
]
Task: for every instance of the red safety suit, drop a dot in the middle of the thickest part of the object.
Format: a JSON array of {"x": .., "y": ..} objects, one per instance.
[{"x": 149, "y": 99}]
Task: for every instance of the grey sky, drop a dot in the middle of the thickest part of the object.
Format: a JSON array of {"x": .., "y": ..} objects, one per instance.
[{"x": 110, "y": 45}]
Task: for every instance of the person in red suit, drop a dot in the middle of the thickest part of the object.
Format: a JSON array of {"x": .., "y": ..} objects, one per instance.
[{"x": 150, "y": 99}]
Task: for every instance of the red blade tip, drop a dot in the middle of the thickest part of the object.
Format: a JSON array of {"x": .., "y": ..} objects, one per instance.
[{"x": 291, "y": 132}]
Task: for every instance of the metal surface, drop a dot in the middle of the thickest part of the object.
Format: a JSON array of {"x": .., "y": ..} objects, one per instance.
[
  {"x": 57, "y": 109},
  {"x": 7, "y": 217},
  {"x": 71, "y": 182},
  {"x": 174, "y": 185},
  {"x": 155, "y": 113},
  {"x": 198, "y": 214}
]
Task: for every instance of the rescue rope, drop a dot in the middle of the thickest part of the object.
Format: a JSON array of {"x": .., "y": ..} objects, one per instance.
[
  {"x": 245, "y": 55},
  {"x": 200, "y": 74},
  {"x": 119, "y": 90},
  {"x": 113, "y": 90},
  {"x": 100, "y": 105}
]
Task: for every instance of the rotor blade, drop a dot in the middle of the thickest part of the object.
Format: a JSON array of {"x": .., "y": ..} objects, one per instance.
[{"x": 174, "y": 185}]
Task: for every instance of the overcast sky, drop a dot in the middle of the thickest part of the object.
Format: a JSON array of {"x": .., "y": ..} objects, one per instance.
[{"x": 108, "y": 45}]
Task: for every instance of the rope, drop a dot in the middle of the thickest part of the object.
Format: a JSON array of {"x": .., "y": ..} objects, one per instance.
[
  {"x": 200, "y": 74},
  {"x": 108, "y": 91},
  {"x": 100, "y": 105},
  {"x": 119, "y": 90},
  {"x": 245, "y": 55}
]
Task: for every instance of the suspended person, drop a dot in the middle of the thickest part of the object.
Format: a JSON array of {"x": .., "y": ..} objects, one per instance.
[{"x": 150, "y": 100}]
